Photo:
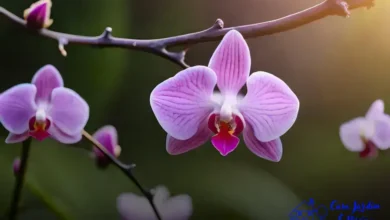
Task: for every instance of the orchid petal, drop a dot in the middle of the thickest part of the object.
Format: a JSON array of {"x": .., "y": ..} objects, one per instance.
[
  {"x": 176, "y": 207},
  {"x": 352, "y": 133},
  {"x": 176, "y": 147},
  {"x": 269, "y": 106},
  {"x": 160, "y": 194},
  {"x": 108, "y": 137},
  {"x": 376, "y": 109},
  {"x": 46, "y": 79},
  {"x": 69, "y": 111},
  {"x": 271, "y": 150},
  {"x": 182, "y": 102},
  {"x": 370, "y": 151},
  {"x": 62, "y": 137},
  {"x": 16, "y": 138},
  {"x": 231, "y": 62},
  {"x": 17, "y": 106},
  {"x": 381, "y": 137},
  {"x": 134, "y": 207}
]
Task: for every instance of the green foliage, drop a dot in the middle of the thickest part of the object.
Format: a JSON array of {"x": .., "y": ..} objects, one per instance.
[{"x": 66, "y": 180}]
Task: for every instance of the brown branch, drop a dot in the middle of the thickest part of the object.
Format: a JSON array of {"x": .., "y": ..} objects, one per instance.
[
  {"x": 161, "y": 46},
  {"x": 126, "y": 169}
]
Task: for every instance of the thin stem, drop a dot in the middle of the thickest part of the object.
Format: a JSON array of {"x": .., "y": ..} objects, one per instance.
[
  {"x": 216, "y": 32},
  {"x": 126, "y": 169},
  {"x": 20, "y": 179}
]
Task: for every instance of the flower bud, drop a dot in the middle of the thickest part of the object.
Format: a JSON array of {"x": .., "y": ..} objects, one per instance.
[
  {"x": 101, "y": 160},
  {"x": 107, "y": 136},
  {"x": 16, "y": 166},
  {"x": 38, "y": 15}
]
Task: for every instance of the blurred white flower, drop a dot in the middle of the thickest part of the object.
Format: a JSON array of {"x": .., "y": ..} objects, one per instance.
[
  {"x": 369, "y": 133},
  {"x": 134, "y": 207}
]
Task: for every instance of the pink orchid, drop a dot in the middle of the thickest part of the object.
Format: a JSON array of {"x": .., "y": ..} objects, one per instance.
[
  {"x": 108, "y": 137},
  {"x": 43, "y": 108},
  {"x": 189, "y": 110},
  {"x": 367, "y": 134}
]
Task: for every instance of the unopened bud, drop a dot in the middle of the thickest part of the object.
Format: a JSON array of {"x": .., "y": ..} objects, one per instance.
[
  {"x": 38, "y": 15},
  {"x": 16, "y": 166},
  {"x": 107, "y": 137}
]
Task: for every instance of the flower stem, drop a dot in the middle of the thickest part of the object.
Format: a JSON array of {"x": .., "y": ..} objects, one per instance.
[
  {"x": 20, "y": 179},
  {"x": 126, "y": 169}
]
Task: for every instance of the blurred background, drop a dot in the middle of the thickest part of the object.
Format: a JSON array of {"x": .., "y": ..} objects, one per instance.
[{"x": 336, "y": 66}]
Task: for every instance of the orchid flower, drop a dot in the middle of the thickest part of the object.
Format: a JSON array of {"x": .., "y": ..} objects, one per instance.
[
  {"x": 133, "y": 207},
  {"x": 367, "y": 134},
  {"x": 108, "y": 137},
  {"x": 189, "y": 110},
  {"x": 43, "y": 108}
]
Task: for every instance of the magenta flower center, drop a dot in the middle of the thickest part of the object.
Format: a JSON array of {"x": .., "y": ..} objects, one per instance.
[
  {"x": 370, "y": 150},
  {"x": 225, "y": 139},
  {"x": 233, "y": 127},
  {"x": 38, "y": 129}
]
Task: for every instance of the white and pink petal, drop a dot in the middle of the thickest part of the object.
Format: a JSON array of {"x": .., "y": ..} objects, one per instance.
[
  {"x": 271, "y": 150},
  {"x": 269, "y": 106},
  {"x": 134, "y": 207},
  {"x": 16, "y": 138},
  {"x": 178, "y": 207},
  {"x": 62, "y": 137},
  {"x": 181, "y": 103},
  {"x": 46, "y": 79},
  {"x": 17, "y": 106},
  {"x": 176, "y": 147},
  {"x": 381, "y": 136},
  {"x": 353, "y": 133},
  {"x": 231, "y": 62},
  {"x": 69, "y": 112}
]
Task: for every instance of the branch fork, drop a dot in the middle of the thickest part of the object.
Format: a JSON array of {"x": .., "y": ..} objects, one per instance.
[
  {"x": 161, "y": 47},
  {"x": 342, "y": 7}
]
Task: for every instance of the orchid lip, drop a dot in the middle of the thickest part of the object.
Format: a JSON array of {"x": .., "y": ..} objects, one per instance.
[
  {"x": 38, "y": 128},
  {"x": 225, "y": 139},
  {"x": 370, "y": 150}
]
